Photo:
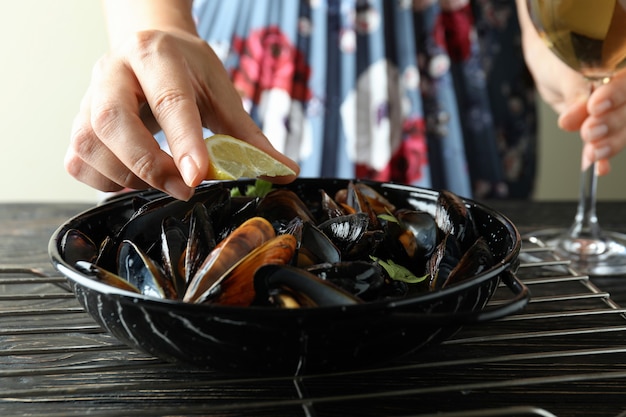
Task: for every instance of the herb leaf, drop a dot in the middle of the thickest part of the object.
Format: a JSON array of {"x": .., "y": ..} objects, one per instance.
[
  {"x": 259, "y": 189},
  {"x": 388, "y": 217},
  {"x": 398, "y": 272}
]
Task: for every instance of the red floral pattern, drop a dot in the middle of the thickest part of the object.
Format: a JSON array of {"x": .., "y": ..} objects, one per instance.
[
  {"x": 456, "y": 27},
  {"x": 268, "y": 60},
  {"x": 409, "y": 160}
]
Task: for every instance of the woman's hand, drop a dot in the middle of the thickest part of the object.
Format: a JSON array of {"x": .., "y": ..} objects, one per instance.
[
  {"x": 600, "y": 117},
  {"x": 157, "y": 79},
  {"x": 602, "y": 123}
]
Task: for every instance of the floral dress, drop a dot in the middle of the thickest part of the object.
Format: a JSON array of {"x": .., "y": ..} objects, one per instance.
[{"x": 423, "y": 92}]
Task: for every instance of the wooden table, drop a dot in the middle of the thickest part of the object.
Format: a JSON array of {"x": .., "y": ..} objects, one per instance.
[{"x": 565, "y": 354}]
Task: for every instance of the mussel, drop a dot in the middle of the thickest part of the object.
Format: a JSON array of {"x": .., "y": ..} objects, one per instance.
[
  {"x": 237, "y": 285},
  {"x": 247, "y": 237},
  {"x": 139, "y": 270},
  {"x": 286, "y": 248},
  {"x": 362, "y": 279},
  {"x": 287, "y": 286}
]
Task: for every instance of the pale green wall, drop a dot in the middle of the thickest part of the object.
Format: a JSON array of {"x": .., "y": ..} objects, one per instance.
[
  {"x": 48, "y": 49},
  {"x": 559, "y": 165}
]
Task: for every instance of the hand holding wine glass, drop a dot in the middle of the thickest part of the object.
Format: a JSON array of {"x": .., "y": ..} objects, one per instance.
[{"x": 590, "y": 37}]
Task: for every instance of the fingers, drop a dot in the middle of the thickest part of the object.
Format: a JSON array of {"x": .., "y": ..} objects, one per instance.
[
  {"x": 573, "y": 116},
  {"x": 589, "y": 156},
  {"x": 604, "y": 132},
  {"x": 158, "y": 80},
  {"x": 86, "y": 152},
  {"x": 110, "y": 146},
  {"x": 166, "y": 82}
]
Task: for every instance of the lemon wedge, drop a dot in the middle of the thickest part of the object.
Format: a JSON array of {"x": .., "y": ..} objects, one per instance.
[{"x": 231, "y": 158}]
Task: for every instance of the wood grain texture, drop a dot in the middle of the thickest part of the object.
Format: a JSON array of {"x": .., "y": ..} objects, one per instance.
[{"x": 566, "y": 352}]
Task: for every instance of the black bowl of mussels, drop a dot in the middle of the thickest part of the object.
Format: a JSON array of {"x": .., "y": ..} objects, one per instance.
[{"x": 318, "y": 275}]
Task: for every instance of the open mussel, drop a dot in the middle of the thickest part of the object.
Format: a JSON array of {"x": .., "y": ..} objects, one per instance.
[
  {"x": 237, "y": 285},
  {"x": 139, "y": 270},
  {"x": 313, "y": 245},
  {"x": 330, "y": 208},
  {"x": 247, "y": 237},
  {"x": 106, "y": 277},
  {"x": 411, "y": 238}
]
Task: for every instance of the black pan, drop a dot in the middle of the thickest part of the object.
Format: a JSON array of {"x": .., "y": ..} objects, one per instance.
[{"x": 291, "y": 341}]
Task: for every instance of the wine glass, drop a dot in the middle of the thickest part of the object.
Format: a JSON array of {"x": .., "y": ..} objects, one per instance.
[{"x": 590, "y": 37}]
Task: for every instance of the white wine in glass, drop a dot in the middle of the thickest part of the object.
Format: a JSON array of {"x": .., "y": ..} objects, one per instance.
[{"x": 590, "y": 37}]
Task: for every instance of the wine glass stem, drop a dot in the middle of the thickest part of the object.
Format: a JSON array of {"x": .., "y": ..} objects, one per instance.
[{"x": 586, "y": 224}]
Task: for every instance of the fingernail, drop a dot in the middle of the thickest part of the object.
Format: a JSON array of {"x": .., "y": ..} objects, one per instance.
[
  {"x": 178, "y": 189},
  {"x": 602, "y": 106},
  {"x": 602, "y": 153},
  {"x": 189, "y": 170},
  {"x": 598, "y": 131}
]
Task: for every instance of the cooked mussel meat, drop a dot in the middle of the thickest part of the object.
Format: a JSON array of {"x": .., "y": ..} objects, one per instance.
[
  {"x": 236, "y": 287},
  {"x": 228, "y": 252}
]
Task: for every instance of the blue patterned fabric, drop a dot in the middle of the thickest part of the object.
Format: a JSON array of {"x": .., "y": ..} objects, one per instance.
[{"x": 429, "y": 93}]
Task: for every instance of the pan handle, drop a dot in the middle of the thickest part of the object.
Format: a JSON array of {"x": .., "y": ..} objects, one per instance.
[{"x": 513, "y": 305}]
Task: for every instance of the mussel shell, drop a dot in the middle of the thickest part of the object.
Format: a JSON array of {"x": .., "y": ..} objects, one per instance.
[
  {"x": 106, "y": 277},
  {"x": 411, "y": 240},
  {"x": 360, "y": 278},
  {"x": 76, "y": 246},
  {"x": 346, "y": 231},
  {"x": 476, "y": 259},
  {"x": 139, "y": 270},
  {"x": 317, "y": 292},
  {"x": 361, "y": 204},
  {"x": 237, "y": 285},
  {"x": 144, "y": 226},
  {"x": 174, "y": 241},
  {"x": 282, "y": 205},
  {"x": 228, "y": 252},
  {"x": 376, "y": 201},
  {"x": 201, "y": 240},
  {"x": 329, "y": 207},
  {"x": 454, "y": 217},
  {"x": 315, "y": 247},
  {"x": 444, "y": 259}
]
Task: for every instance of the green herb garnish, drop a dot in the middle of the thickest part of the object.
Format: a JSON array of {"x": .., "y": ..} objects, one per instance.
[
  {"x": 259, "y": 189},
  {"x": 398, "y": 272}
]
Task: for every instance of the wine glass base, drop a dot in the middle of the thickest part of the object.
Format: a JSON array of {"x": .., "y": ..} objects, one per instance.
[{"x": 597, "y": 257}]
